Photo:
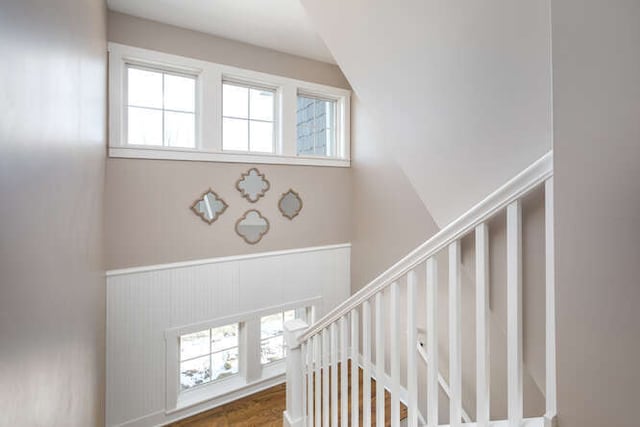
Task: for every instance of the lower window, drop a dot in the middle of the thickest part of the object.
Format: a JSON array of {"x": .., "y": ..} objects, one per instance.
[
  {"x": 272, "y": 345},
  {"x": 208, "y": 355}
]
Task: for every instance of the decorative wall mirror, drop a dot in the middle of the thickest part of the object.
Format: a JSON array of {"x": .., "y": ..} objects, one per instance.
[
  {"x": 252, "y": 185},
  {"x": 290, "y": 204},
  {"x": 252, "y": 226},
  {"x": 209, "y": 206}
]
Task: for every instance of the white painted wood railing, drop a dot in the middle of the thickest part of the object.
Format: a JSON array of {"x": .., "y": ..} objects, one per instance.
[{"x": 355, "y": 330}]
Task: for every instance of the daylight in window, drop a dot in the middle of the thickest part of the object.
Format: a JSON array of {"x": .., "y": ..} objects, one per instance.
[
  {"x": 272, "y": 346},
  {"x": 160, "y": 108},
  {"x": 208, "y": 355},
  {"x": 248, "y": 122},
  {"x": 316, "y": 126}
]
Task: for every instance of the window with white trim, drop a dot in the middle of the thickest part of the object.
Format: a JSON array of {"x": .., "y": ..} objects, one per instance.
[
  {"x": 208, "y": 355},
  {"x": 272, "y": 345},
  {"x": 316, "y": 126},
  {"x": 248, "y": 118},
  {"x": 163, "y": 106}
]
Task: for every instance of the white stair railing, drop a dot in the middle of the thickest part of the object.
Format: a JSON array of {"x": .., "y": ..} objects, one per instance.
[{"x": 327, "y": 346}]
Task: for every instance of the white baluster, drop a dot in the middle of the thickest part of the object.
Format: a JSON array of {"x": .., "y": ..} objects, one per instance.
[
  {"x": 303, "y": 351},
  {"x": 394, "y": 328},
  {"x": 550, "y": 307},
  {"x": 482, "y": 326},
  {"x": 379, "y": 361},
  {"x": 455, "y": 333},
  {"x": 366, "y": 364},
  {"x": 355, "y": 370},
  {"x": 344, "y": 374},
  {"x": 325, "y": 377},
  {"x": 412, "y": 339},
  {"x": 311, "y": 351},
  {"x": 514, "y": 313},
  {"x": 317, "y": 345},
  {"x": 432, "y": 342},
  {"x": 334, "y": 375}
]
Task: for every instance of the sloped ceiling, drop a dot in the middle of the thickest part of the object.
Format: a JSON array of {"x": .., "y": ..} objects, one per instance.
[
  {"x": 276, "y": 24},
  {"x": 463, "y": 87}
]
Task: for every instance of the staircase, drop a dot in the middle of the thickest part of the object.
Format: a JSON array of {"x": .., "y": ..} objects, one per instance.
[{"x": 351, "y": 337}]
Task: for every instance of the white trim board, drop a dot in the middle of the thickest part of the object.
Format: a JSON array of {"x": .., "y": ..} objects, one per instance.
[{"x": 204, "y": 261}]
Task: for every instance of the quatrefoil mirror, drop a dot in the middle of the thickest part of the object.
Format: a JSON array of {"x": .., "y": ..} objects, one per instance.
[
  {"x": 252, "y": 226},
  {"x": 209, "y": 206},
  {"x": 252, "y": 185},
  {"x": 290, "y": 204}
]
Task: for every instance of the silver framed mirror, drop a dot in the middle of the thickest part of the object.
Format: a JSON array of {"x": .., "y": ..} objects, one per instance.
[
  {"x": 253, "y": 185},
  {"x": 209, "y": 206},
  {"x": 252, "y": 226},
  {"x": 290, "y": 204}
]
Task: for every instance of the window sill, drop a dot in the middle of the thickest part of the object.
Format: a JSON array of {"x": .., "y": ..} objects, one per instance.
[{"x": 208, "y": 156}]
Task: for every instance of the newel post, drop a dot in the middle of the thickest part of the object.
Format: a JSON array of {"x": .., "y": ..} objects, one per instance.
[{"x": 293, "y": 416}]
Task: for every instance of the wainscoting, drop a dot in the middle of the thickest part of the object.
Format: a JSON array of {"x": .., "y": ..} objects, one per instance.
[{"x": 145, "y": 303}]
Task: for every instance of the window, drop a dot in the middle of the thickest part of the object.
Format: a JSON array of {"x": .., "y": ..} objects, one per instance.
[
  {"x": 161, "y": 108},
  {"x": 247, "y": 118},
  {"x": 208, "y": 355},
  {"x": 316, "y": 126},
  {"x": 272, "y": 345}
]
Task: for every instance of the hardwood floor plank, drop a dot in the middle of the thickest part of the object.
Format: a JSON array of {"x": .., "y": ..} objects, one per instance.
[{"x": 264, "y": 409}]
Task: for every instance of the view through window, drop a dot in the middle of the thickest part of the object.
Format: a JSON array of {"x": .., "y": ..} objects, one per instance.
[
  {"x": 208, "y": 355},
  {"x": 161, "y": 108}
]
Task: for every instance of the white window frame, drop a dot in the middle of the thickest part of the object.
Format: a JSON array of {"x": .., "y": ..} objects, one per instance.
[
  {"x": 275, "y": 122},
  {"x": 250, "y": 371},
  {"x": 208, "y": 132}
]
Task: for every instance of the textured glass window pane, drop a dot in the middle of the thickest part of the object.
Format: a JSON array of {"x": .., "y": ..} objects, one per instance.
[
  {"x": 195, "y": 372},
  {"x": 144, "y": 88},
  {"x": 235, "y": 101},
  {"x": 179, "y": 129},
  {"x": 179, "y": 93},
  {"x": 235, "y": 134},
  {"x": 196, "y": 344},
  {"x": 316, "y": 126},
  {"x": 261, "y": 106},
  {"x": 271, "y": 325},
  {"x": 261, "y": 137},
  {"x": 224, "y": 337},
  {"x": 144, "y": 126},
  {"x": 224, "y": 363},
  {"x": 272, "y": 349}
]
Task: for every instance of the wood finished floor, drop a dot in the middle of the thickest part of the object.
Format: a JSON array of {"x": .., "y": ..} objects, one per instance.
[{"x": 265, "y": 409}]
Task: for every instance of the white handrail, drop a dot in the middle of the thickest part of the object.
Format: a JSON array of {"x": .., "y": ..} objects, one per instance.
[{"x": 514, "y": 189}]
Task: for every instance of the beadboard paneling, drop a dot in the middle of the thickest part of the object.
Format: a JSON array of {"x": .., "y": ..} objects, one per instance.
[{"x": 142, "y": 303}]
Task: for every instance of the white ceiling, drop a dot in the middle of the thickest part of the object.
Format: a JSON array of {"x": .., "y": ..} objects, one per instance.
[{"x": 276, "y": 24}]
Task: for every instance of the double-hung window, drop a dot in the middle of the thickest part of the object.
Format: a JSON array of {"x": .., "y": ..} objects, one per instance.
[{"x": 170, "y": 107}]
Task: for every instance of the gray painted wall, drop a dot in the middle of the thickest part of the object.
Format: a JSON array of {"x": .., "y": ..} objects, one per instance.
[
  {"x": 596, "y": 78},
  {"x": 52, "y": 286},
  {"x": 148, "y": 220}
]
